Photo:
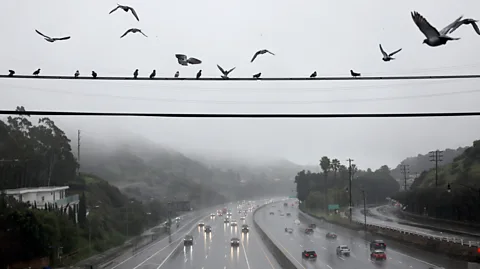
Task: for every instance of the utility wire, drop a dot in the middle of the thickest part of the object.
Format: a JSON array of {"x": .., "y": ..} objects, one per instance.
[
  {"x": 250, "y": 79},
  {"x": 243, "y": 115}
]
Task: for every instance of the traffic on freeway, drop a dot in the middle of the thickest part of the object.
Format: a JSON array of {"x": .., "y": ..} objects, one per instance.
[
  {"x": 331, "y": 251},
  {"x": 204, "y": 240}
]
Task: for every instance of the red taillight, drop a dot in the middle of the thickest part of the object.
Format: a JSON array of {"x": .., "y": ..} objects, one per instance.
[
  {"x": 306, "y": 254},
  {"x": 314, "y": 255}
]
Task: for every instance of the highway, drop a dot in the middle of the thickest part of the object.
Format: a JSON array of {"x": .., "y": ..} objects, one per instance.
[
  {"x": 211, "y": 250},
  {"x": 398, "y": 256}
]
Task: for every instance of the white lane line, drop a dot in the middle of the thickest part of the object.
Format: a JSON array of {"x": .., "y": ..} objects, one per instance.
[
  {"x": 341, "y": 258},
  {"x": 324, "y": 247},
  {"x": 246, "y": 258},
  {"x": 178, "y": 230},
  {"x": 206, "y": 256}
]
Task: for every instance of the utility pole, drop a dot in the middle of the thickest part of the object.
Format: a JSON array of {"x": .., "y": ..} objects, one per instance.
[
  {"x": 436, "y": 156},
  {"x": 404, "y": 170},
  {"x": 78, "y": 152},
  {"x": 350, "y": 186}
]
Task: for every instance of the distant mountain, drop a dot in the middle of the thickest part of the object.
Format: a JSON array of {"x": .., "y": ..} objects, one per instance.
[{"x": 422, "y": 163}]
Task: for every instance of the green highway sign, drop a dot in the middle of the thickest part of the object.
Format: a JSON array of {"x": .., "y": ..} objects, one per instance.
[{"x": 333, "y": 207}]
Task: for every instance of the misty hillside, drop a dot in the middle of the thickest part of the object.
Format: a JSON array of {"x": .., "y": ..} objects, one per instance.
[
  {"x": 422, "y": 163},
  {"x": 144, "y": 169}
]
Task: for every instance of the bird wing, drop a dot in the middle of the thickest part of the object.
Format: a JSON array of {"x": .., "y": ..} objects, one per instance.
[
  {"x": 221, "y": 69},
  {"x": 270, "y": 52},
  {"x": 142, "y": 33},
  {"x": 128, "y": 31},
  {"x": 425, "y": 27},
  {"x": 181, "y": 57},
  {"x": 38, "y": 32},
  {"x": 229, "y": 71},
  {"x": 383, "y": 52},
  {"x": 113, "y": 10},
  {"x": 134, "y": 13},
  {"x": 192, "y": 60},
  {"x": 395, "y": 52},
  {"x": 448, "y": 28},
  {"x": 62, "y": 38},
  {"x": 255, "y": 56},
  {"x": 475, "y": 27}
]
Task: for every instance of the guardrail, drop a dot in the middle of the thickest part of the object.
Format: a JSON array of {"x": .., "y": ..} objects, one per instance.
[{"x": 281, "y": 257}]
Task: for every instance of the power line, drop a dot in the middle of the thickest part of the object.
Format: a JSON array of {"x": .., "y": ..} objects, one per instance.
[
  {"x": 249, "y": 78},
  {"x": 243, "y": 115},
  {"x": 404, "y": 170},
  {"x": 436, "y": 156}
]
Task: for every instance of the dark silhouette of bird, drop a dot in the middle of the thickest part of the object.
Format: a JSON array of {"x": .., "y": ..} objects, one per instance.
[
  {"x": 314, "y": 74},
  {"x": 260, "y": 52},
  {"x": 354, "y": 74},
  {"x": 199, "y": 74},
  {"x": 257, "y": 76},
  {"x": 184, "y": 60},
  {"x": 177, "y": 74},
  {"x": 225, "y": 73},
  {"x": 77, "y": 73},
  {"x": 133, "y": 31},
  {"x": 473, "y": 22},
  {"x": 36, "y": 72},
  {"x": 153, "y": 74},
  {"x": 388, "y": 56},
  {"x": 135, "y": 74},
  {"x": 126, "y": 9},
  {"x": 11, "y": 73},
  {"x": 434, "y": 38},
  {"x": 52, "y": 39},
  {"x": 94, "y": 74}
]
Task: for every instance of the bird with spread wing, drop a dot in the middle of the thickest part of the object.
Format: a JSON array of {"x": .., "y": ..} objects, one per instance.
[
  {"x": 388, "y": 56},
  {"x": 225, "y": 73},
  {"x": 259, "y": 53},
  {"x": 184, "y": 60},
  {"x": 133, "y": 31},
  {"x": 473, "y": 22},
  {"x": 126, "y": 9},
  {"x": 52, "y": 39},
  {"x": 434, "y": 38}
]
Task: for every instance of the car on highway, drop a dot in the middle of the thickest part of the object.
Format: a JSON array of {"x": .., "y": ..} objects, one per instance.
[
  {"x": 212, "y": 215},
  {"x": 285, "y": 204},
  {"x": 343, "y": 250},
  {"x": 188, "y": 240},
  {"x": 297, "y": 222},
  {"x": 235, "y": 242},
  {"x": 233, "y": 222},
  {"x": 289, "y": 230},
  {"x": 201, "y": 224},
  {"x": 312, "y": 225},
  {"x": 281, "y": 214},
  {"x": 208, "y": 229},
  {"x": 226, "y": 220},
  {"x": 245, "y": 228},
  {"x": 378, "y": 244},
  {"x": 309, "y": 231},
  {"x": 378, "y": 255},
  {"x": 242, "y": 218},
  {"x": 272, "y": 213},
  {"x": 309, "y": 254},
  {"x": 330, "y": 235},
  {"x": 288, "y": 214}
]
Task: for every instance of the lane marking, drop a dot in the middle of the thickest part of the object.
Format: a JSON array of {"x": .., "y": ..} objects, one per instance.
[
  {"x": 178, "y": 230},
  {"x": 246, "y": 258},
  {"x": 264, "y": 253}
]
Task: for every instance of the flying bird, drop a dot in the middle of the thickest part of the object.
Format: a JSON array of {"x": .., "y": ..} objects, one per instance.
[
  {"x": 260, "y": 52},
  {"x": 466, "y": 22},
  {"x": 257, "y": 76},
  {"x": 153, "y": 74},
  {"x": 135, "y": 74},
  {"x": 77, "y": 73},
  {"x": 133, "y": 31},
  {"x": 354, "y": 74},
  {"x": 225, "y": 73},
  {"x": 94, "y": 74},
  {"x": 52, "y": 39},
  {"x": 199, "y": 74},
  {"x": 36, "y": 72},
  {"x": 434, "y": 38},
  {"x": 177, "y": 74},
  {"x": 126, "y": 9},
  {"x": 388, "y": 57},
  {"x": 11, "y": 73},
  {"x": 184, "y": 60},
  {"x": 314, "y": 74}
]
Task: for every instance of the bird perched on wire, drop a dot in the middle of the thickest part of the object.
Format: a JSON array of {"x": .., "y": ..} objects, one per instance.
[
  {"x": 225, "y": 73},
  {"x": 259, "y": 53},
  {"x": 434, "y": 38},
  {"x": 135, "y": 74},
  {"x": 153, "y": 74},
  {"x": 126, "y": 9},
  {"x": 184, "y": 60},
  {"x": 77, "y": 73},
  {"x": 199, "y": 74},
  {"x": 37, "y": 72},
  {"x": 52, "y": 39},
  {"x": 11, "y": 73},
  {"x": 257, "y": 76},
  {"x": 466, "y": 22},
  {"x": 314, "y": 74},
  {"x": 94, "y": 74},
  {"x": 354, "y": 74},
  {"x": 133, "y": 31},
  {"x": 177, "y": 74},
  {"x": 388, "y": 57}
]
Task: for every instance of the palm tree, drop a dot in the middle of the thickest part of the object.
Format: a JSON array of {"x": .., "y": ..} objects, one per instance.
[
  {"x": 335, "y": 165},
  {"x": 325, "y": 166}
]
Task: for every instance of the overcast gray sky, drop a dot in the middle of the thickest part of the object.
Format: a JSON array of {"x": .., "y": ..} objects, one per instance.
[{"x": 330, "y": 37}]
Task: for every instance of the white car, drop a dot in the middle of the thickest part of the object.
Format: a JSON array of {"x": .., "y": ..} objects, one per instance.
[
  {"x": 297, "y": 222},
  {"x": 233, "y": 223},
  {"x": 343, "y": 250},
  {"x": 242, "y": 218}
]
